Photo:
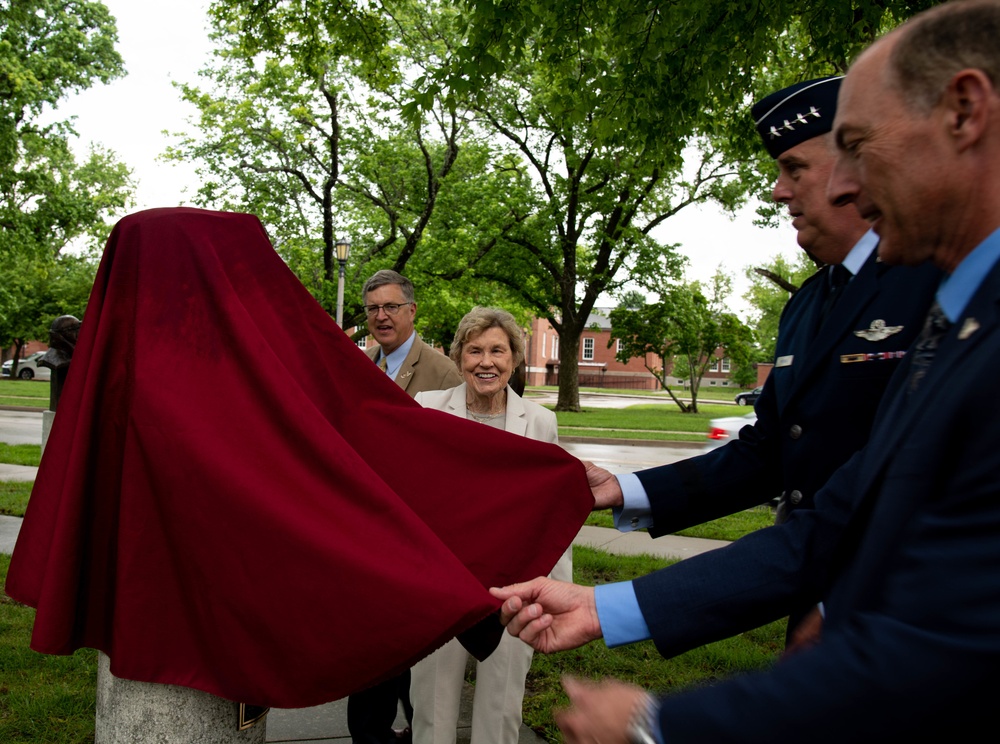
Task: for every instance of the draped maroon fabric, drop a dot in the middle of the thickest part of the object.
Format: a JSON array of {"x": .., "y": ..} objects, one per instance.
[{"x": 233, "y": 497}]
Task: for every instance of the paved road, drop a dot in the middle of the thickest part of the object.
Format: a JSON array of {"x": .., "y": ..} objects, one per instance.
[{"x": 20, "y": 427}]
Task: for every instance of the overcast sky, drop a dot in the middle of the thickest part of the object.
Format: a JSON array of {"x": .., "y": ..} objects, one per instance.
[{"x": 166, "y": 42}]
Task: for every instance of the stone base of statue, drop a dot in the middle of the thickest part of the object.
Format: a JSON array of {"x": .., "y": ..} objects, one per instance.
[
  {"x": 47, "y": 418},
  {"x": 129, "y": 712}
]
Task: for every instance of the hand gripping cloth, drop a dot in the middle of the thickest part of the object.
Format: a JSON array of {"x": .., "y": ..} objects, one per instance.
[{"x": 233, "y": 497}]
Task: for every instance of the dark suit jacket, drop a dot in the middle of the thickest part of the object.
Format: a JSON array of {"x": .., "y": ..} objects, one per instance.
[
  {"x": 904, "y": 545},
  {"x": 814, "y": 412},
  {"x": 425, "y": 368}
]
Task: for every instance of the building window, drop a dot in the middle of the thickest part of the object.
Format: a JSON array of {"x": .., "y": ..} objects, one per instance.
[
  {"x": 362, "y": 342},
  {"x": 588, "y": 349},
  {"x": 555, "y": 347},
  {"x": 725, "y": 364},
  {"x": 545, "y": 342},
  {"x": 618, "y": 346},
  {"x": 714, "y": 366}
]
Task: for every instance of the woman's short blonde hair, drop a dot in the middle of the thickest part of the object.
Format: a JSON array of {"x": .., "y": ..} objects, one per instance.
[{"x": 479, "y": 319}]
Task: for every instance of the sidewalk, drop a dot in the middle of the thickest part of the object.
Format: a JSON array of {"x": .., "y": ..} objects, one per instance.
[{"x": 328, "y": 723}]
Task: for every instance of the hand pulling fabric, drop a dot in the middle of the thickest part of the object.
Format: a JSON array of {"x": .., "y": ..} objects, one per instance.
[{"x": 234, "y": 498}]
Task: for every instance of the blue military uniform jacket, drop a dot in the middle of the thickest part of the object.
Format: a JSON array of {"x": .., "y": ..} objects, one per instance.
[
  {"x": 903, "y": 546},
  {"x": 817, "y": 405}
]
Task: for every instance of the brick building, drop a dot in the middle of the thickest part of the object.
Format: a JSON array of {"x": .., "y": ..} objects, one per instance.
[{"x": 597, "y": 362}]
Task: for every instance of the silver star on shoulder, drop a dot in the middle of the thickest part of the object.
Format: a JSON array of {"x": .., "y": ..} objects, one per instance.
[{"x": 878, "y": 331}]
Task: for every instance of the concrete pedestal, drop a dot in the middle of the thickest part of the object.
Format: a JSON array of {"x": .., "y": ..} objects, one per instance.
[
  {"x": 47, "y": 418},
  {"x": 130, "y": 712}
]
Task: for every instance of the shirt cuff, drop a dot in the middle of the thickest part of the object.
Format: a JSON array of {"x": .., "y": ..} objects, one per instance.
[
  {"x": 619, "y": 614},
  {"x": 636, "y": 512}
]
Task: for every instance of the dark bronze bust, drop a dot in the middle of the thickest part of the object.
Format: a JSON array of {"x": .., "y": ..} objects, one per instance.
[{"x": 62, "y": 341}]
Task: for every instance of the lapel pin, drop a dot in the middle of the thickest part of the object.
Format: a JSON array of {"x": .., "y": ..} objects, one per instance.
[
  {"x": 878, "y": 331},
  {"x": 970, "y": 326}
]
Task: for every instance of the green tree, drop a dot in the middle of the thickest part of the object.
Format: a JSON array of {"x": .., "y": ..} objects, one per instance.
[
  {"x": 683, "y": 330},
  {"x": 771, "y": 286},
  {"x": 596, "y": 202},
  {"x": 49, "y": 200},
  {"x": 594, "y": 102},
  {"x": 309, "y": 137}
]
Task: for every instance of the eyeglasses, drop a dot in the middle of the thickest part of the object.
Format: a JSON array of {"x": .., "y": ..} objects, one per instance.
[{"x": 391, "y": 308}]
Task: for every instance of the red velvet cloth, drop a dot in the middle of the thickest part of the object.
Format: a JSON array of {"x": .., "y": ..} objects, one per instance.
[{"x": 235, "y": 499}]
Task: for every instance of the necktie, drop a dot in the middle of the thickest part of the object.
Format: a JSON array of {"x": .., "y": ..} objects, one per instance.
[
  {"x": 837, "y": 278},
  {"x": 383, "y": 363},
  {"x": 936, "y": 325}
]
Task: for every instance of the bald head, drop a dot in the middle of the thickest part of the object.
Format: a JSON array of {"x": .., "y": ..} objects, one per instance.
[{"x": 918, "y": 153}]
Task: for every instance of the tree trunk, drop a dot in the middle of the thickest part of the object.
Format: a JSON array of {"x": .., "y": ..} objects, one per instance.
[
  {"x": 569, "y": 370},
  {"x": 18, "y": 345}
]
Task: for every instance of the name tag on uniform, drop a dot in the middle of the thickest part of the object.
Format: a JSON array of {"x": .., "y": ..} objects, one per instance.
[{"x": 784, "y": 361}]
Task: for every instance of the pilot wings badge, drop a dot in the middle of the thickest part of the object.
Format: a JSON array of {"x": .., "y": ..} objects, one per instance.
[{"x": 878, "y": 331}]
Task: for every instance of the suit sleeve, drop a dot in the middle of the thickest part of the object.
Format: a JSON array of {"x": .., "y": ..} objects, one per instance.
[
  {"x": 916, "y": 658},
  {"x": 760, "y": 578},
  {"x": 739, "y": 475}
]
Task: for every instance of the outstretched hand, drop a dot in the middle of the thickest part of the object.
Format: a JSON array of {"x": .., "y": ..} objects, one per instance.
[
  {"x": 549, "y": 615},
  {"x": 600, "y": 712},
  {"x": 604, "y": 485}
]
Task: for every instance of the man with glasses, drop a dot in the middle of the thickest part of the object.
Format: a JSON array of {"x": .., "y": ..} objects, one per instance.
[
  {"x": 391, "y": 310},
  {"x": 416, "y": 367}
]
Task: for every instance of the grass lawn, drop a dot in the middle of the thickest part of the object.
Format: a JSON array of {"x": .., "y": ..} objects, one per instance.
[
  {"x": 44, "y": 699},
  {"x": 14, "y": 498},
  {"x": 20, "y": 454},
  {"x": 50, "y": 699},
  {"x": 708, "y": 392},
  {"x": 639, "y": 663},
  {"x": 29, "y": 393},
  {"x": 647, "y": 417},
  {"x": 731, "y": 527}
]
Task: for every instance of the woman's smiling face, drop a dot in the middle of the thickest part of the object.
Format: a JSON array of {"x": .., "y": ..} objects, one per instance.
[{"x": 487, "y": 362}]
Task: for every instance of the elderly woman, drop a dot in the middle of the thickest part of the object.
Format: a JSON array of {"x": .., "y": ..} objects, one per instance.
[{"x": 487, "y": 348}]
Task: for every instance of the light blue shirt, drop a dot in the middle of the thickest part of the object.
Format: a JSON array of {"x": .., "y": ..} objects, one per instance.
[
  {"x": 617, "y": 606},
  {"x": 957, "y": 289},
  {"x": 860, "y": 253},
  {"x": 395, "y": 359}
]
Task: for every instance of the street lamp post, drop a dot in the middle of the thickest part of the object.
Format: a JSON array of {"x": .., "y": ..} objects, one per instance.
[{"x": 343, "y": 251}]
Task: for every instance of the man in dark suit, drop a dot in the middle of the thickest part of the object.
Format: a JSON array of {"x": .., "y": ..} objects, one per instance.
[
  {"x": 904, "y": 543},
  {"x": 841, "y": 337},
  {"x": 416, "y": 367}
]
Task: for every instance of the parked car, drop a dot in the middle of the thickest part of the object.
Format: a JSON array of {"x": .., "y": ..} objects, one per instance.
[
  {"x": 748, "y": 399},
  {"x": 721, "y": 430},
  {"x": 27, "y": 368}
]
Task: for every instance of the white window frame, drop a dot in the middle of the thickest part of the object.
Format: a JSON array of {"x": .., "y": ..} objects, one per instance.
[{"x": 588, "y": 349}]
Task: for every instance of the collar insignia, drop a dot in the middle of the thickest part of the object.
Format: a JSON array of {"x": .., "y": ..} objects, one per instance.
[
  {"x": 878, "y": 331},
  {"x": 970, "y": 326},
  {"x": 406, "y": 374}
]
